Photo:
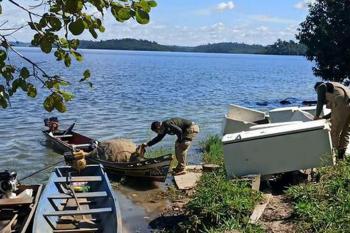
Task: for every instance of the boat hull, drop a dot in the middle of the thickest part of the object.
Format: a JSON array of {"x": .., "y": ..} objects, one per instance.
[
  {"x": 278, "y": 149},
  {"x": 100, "y": 201},
  {"x": 155, "y": 169}
]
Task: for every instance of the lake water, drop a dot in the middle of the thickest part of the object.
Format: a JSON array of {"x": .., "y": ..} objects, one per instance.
[{"x": 132, "y": 89}]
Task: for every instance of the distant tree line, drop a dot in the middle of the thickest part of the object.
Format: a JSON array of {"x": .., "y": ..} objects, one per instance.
[{"x": 278, "y": 48}]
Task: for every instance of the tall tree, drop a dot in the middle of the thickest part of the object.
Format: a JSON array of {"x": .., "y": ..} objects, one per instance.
[
  {"x": 57, "y": 29},
  {"x": 326, "y": 33}
]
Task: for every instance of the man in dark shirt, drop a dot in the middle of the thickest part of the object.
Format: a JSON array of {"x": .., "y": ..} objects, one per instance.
[
  {"x": 336, "y": 97},
  {"x": 185, "y": 131}
]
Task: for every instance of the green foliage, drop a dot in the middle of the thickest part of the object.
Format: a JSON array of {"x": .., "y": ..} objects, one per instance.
[
  {"x": 213, "y": 150},
  {"x": 55, "y": 30},
  {"x": 278, "y": 48},
  {"x": 324, "y": 206},
  {"x": 326, "y": 32},
  {"x": 218, "y": 200},
  {"x": 286, "y": 48},
  {"x": 219, "y": 204}
]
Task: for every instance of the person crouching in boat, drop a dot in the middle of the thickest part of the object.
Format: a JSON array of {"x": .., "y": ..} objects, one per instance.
[
  {"x": 118, "y": 151},
  {"x": 337, "y": 98},
  {"x": 185, "y": 131}
]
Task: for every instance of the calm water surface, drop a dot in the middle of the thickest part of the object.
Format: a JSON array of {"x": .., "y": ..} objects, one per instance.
[{"x": 132, "y": 89}]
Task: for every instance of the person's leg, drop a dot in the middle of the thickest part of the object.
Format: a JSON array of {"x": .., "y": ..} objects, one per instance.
[
  {"x": 181, "y": 154},
  {"x": 344, "y": 136}
]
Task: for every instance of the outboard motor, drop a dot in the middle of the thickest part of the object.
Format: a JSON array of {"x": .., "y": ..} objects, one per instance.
[
  {"x": 8, "y": 184},
  {"x": 52, "y": 123}
]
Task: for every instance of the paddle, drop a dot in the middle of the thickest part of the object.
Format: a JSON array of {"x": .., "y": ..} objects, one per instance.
[{"x": 8, "y": 227}]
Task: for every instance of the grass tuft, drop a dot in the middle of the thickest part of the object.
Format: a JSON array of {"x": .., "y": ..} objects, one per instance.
[
  {"x": 324, "y": 206},
  {"x": 219, "y": 204}
]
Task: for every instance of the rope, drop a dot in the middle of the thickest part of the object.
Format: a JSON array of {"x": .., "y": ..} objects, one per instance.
[{"x": 41, "y": 170}]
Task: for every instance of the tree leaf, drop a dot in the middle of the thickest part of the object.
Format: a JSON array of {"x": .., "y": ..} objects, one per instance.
[
  {"x": 3, "y": 55},
  {"x": 86, "y": 75},
  {"x": 31, "y": 92},
  {"x": 67, "y": 96},
  {"x": 142, "y": 17},
  {"x": 49, "y": 103},
  {"x": 77, "y": 55},
  {"x": 67, "y": 60},
  {"x": 93, "y": 33},
  {"x": 77, "y": 27},
  {"x": 24, "y": 73},
  {"x": 45, "y": 45},
  {"x": 152, "y": 3},
  {"x": 55, "y": 23}
]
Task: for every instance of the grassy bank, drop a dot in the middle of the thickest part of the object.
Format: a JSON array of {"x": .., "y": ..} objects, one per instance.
[
  {"x": 324, "y": 206},
  {"x": 219, "y": 204}
]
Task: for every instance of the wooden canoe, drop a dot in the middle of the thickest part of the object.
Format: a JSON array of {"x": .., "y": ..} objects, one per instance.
[
  {"x": 16, "y": 215},
  {"x": 152, "y": 169},
  {"x": 78, "y": 202}
]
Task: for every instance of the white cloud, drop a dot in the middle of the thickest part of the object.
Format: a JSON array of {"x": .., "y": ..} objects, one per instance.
[
  {"x": 303, "y": 5},
  {"x": 223, "y": 6},
  {"x": 272, "y": 19}
]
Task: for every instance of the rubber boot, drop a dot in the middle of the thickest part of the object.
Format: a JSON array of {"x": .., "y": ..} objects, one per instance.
[{"x": 341, "y": 154}]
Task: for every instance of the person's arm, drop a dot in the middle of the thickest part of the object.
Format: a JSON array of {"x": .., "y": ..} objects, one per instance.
[
  {"x": 321, "y": 99},
  {"x": 155, "y": 140}
]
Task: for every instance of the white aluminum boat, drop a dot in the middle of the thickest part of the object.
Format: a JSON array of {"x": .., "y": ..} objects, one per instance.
[
  {"x": 278, "y": 149},
  {"x": 240, "y": 119},
  {"x": 294, "y": 114}
]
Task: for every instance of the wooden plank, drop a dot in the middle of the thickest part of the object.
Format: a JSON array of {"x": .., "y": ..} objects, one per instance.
[
  {"x": 256, "y": 182},
  {"x": 187, "y": 181},
  {"x": 259, "y": 209},
  {"x": 79, "y": 212},
  {"x": 16, "y": 201},
  {"x": 78, "y": 179},
  {"x": 79, "y": 195}
]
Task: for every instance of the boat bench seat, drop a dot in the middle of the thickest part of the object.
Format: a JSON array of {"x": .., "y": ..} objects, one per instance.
[
  {"x": 79, "y": 195},
  {"x": 78, "y": 212},
  {"x": 81, "y": 145},
  {"x": 78, "y": 179},
  {"x": 63, "y": 136},
  {"x": 81, "y": 230}
]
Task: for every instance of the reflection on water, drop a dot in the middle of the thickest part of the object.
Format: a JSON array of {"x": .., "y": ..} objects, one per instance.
[{"x": 132, "y": 89}]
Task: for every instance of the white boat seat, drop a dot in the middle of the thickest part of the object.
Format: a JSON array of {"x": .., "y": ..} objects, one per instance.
[
  {"x": 79, "y": 195},
  {"x": 80, "y": 145},
  {"x": 63, "y": 136},
  {"x": 78, "y": 212},
  {"x": 78, "y": 179},
  {"x": 81, "y": 230}
]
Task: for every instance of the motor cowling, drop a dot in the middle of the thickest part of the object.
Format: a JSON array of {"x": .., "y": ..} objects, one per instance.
[{"x": 8, "y": 184}]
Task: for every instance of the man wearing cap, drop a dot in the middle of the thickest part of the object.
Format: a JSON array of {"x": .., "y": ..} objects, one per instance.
[
  {"x": 336, "y": 97},
  {"x": 185, "y": 131}
]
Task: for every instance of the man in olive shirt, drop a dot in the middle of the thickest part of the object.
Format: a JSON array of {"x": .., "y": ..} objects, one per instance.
[
  {"x": 185, "y": 131},
  {"x": 336, "y": 97}
]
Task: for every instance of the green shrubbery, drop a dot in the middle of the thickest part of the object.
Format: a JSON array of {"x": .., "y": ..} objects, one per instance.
[
  {"x": 219, "y": 204},
  {"x": 324, "y": 206}
]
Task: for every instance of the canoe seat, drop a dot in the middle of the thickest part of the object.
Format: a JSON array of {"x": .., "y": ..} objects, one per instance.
[
  {"x": 79, "y": 195},
  {"x": 78, "y": 212},
  {"x": 81, "y": 230},
  {"x": 81, "y": 145},
  {"x": 63, "y": 136},
  {"x": 78, "y": 179}
]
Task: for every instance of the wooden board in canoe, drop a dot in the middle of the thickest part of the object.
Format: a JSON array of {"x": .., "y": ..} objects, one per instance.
[
  {"x": 78, "y": 202},
  {"x": 16, "y": 215},
  {"x": 152, "y": 169}
]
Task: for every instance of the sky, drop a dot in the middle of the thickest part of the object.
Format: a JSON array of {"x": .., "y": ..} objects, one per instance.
[{"x": 194, "y": 22}]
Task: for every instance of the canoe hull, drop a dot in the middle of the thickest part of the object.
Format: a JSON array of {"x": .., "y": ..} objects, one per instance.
[
  {"x": 97, "y": 181},
  {"x": 155, "y": 169},
  {"x": 25, "y": 211}
]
